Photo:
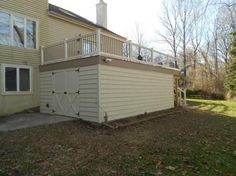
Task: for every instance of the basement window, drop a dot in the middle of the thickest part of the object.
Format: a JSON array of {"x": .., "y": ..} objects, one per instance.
[
  {"x": 18, "y": 30},
  {"x": 10, "y": 79},
  {"x": 16, "y": 79},
  {"x": 24, "y": 79}
]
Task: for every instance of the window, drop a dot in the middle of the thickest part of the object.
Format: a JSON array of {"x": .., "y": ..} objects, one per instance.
[
  {"x": 17, "y": 31},
  {"x": 16, "y": 79},
  {"x": 18, "y": 34},
  {"x": 24, "y": 79},
  {"x": 10, "y": 78},
  {"x": 31, "y": 34},
  {"x": 5, "y": 31}
]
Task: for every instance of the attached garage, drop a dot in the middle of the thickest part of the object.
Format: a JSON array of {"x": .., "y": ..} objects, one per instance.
[{"x": 93, "y": 89}]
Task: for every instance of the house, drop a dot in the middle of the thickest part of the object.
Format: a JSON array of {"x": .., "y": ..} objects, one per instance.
[{"x": 67, "y": 65}]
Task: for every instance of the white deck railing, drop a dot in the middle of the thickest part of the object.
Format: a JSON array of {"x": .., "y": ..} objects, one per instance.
[{"x": 100, "y": 43}]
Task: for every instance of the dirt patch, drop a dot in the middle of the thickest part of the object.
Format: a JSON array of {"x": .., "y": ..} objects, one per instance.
[{"x": 174, "y": 145}]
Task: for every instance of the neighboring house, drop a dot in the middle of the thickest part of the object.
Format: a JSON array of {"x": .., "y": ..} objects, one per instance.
[{"x": 86, "y": 70}]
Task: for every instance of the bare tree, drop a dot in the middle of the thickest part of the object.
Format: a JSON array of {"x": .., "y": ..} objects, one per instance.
[
  {"x": 198, "y": 32},
  {"x": 138, "y": 35},
  {"x": 191, "y": 12},
  {"x": 180, "y": 20},
  {"x": 169, "y": 21},
  {"x": 196, "y": 37},
  {"x": 221, "y": 26},
  {"x": 215, "y": 38},
  {"x": 225, "y": 24}
]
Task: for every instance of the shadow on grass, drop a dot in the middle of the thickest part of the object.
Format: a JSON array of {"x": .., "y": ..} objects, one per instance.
[{"x": 211, "y": 106}]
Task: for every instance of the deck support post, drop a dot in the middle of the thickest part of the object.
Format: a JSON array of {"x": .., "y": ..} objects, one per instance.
[
  {"x": 185, "y": 97},
  {"x": 42, "y": 55},
  {"x": 130, "y": 49},
  {"x": 66, "y": 48}
]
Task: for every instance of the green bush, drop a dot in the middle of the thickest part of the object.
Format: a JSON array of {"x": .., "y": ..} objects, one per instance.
[{"x": 230, "y": 82}]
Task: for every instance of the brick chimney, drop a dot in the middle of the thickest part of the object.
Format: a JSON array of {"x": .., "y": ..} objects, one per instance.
[{"x": 102, "y": 14}]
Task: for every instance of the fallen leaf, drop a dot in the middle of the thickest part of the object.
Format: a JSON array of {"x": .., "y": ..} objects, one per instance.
[
  {"x": 184, "y": 172},
  {"x": 159, "y": 163},
  {"x": 170, "y": 168}
]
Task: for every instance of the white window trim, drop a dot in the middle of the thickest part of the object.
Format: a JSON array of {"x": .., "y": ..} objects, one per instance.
[
  {"x": 18, "y": 92},
  {"x": 12, "y": 14}
]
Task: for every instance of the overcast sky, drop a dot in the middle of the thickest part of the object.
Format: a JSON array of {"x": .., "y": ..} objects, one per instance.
[{"x": 122, "y": 15}]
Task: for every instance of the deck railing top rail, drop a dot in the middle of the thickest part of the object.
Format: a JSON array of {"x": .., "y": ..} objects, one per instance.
[{"x": 99, "y": 43}]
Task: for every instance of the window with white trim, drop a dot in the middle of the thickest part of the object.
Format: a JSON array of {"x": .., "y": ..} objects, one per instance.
[
  {"x": 16, "y": 79},
  {"x": 17, "y": 30}
]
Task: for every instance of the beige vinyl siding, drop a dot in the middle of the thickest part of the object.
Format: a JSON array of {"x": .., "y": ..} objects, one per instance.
[
  {"x": 46, "y": 92},
  {"x": 88, "y": 98},
  {"x": 89, "y": 93},
  {"x": 60, "y": 29},
  {"x": 128, "y": 92},
  {"x": 21, "y": 56},
  {"x": 14, "y": 103}
]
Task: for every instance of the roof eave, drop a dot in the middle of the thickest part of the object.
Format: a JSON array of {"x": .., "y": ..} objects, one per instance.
[
  {"x": 78, "y": 22},
  {"x": 68, "y": 19}
]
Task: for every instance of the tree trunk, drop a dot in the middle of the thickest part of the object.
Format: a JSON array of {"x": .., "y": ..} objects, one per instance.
[{"x": 184, "y": 54}]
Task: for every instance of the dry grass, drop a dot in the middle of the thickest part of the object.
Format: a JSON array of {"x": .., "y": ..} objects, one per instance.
[{"x": 190, "y": 143}]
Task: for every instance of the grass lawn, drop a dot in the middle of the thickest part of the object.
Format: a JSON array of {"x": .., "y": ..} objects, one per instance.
[
  {"x": 227, "y": 108},
  {"x": 191, "y": 143}
]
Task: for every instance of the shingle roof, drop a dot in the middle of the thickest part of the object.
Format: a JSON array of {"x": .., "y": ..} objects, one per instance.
[{"x": 64, "y": 12}]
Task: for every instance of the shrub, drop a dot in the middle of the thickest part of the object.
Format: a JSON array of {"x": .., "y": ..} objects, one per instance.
[{"x": 205, "y": 95}]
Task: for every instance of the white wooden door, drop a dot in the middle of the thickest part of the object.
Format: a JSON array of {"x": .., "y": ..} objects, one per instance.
[{"x": 65, "y": 93}]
